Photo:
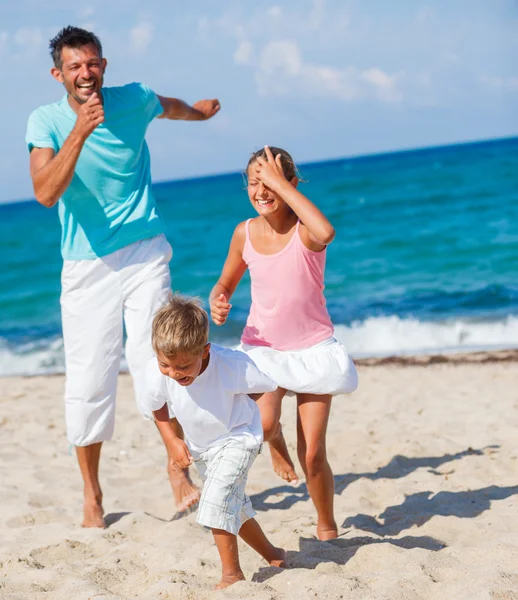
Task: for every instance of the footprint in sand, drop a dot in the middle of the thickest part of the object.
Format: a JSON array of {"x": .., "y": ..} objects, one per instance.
[{"x": 41, "y": 517}]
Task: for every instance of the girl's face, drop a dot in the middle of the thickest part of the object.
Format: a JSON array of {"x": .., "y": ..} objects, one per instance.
[{"x": 263, "y": 199}]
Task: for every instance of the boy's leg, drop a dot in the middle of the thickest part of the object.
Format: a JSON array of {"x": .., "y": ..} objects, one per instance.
[
  {"x": 312, "y": 418},
  {"x": 91, "y": 306},
  {"x": 230, "y": 568},
  {"x": 147, "y": 284},
  {"x": 270, "y": 407},
  {"x": 254, "y": 536}
]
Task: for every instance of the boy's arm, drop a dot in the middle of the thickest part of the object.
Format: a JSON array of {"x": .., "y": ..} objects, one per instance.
[
  {"x": 176, "y": 448},
  {"x": 176, "y": 109}
]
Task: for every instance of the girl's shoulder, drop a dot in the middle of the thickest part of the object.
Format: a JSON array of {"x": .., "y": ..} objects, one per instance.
[
  {"x": 239, "y": 237},
  {"x": 243, "y": 229}
]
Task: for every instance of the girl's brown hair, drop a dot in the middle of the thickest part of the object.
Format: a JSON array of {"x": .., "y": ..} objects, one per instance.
[{"x": 288, "y": 166}]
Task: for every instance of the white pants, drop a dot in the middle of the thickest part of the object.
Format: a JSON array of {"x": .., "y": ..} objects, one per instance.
[{"x": 97, "y": 295}]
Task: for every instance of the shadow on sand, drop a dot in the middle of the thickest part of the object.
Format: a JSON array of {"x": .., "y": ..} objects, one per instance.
[
  {"x": 419, "y": 508},
  {"x": 313, "y": 552},
  {"x": 398, "y": 467}
]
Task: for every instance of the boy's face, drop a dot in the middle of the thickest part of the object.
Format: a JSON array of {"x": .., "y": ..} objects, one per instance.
[{"x": 184, "y": 368}]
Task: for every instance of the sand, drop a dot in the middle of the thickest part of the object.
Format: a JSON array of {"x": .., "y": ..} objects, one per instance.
[{"x": 426, "y": 462}]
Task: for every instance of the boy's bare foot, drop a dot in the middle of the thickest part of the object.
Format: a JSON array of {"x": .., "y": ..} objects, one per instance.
[
  {"x": 278, "y": 559},
  {"x": 281, "y": 461},
  {"x": 228, "y": 580},
  {"x": 93, "y": 514},
  {"x": 186, "y": 494},
  {"x": 327, "y": 533}
]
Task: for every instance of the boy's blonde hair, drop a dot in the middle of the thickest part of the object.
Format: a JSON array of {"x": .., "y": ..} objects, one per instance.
[{"x": 180, "y": 327}]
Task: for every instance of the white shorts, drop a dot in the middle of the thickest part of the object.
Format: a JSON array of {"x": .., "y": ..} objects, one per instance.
[
  {"x": 97, "y": 296},
  {"x": 223, "y": 503},
  {"x": 323, "y": 369}
]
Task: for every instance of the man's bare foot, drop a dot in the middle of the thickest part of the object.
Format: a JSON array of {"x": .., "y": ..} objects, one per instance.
[
  {"x": 281, "y": 461},
  {"x": 93, "y": 514},
  {"x": 278, "y": 559},
  {"x": 186, "y": 494},
  {"x": 228, "y": 580},
  {"x": 327, "y": 533}
]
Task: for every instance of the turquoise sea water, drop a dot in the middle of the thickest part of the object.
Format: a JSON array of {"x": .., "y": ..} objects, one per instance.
[{"x": 425, "y": 258}]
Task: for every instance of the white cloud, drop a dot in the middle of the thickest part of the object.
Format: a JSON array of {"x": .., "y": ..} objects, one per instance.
[
  {"x": 86, "y": 12},
  {"x": 243, "y": 54},
  {"x": 385, "y": 86},
  {"x": 424, "y": 14},
  {"x": 283, "y": 56},
  {"x": 28, "y": 36},
  {"x": 500, "y": 83},
  {"x": 4, "y": 36},
  {"x": 275, "y": 12},
  {"x": 281, "y": 70},
  {"x": 316, "y": 15},
  {"x": 141, "y": 36}
]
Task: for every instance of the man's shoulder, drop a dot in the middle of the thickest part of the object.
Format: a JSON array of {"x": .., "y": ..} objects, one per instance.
[
  {"x": 46, "y": 111},
  {"x": 133, "y": 89}
]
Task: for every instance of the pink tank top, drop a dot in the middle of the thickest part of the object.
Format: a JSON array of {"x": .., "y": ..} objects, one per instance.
[{"x": 288, "y": 309}]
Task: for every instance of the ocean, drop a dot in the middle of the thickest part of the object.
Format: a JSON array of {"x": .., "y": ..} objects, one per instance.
[{"x": 425, "y": 258}]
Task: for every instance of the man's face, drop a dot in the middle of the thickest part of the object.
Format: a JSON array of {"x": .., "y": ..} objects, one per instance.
[
  {"x": 184, "y": 368},
  {"x": 82, "y": 72}
]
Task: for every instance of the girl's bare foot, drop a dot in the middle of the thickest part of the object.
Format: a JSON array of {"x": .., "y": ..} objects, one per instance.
[
  {"x": 327, "y": 533},
  {"x": 186, "y": 494},
  {"x": 281, "y": 461},
  {"x": 278, "y": 559},
  {"x": 228, "y": 580},
  {"x": 93, "y": 514}
]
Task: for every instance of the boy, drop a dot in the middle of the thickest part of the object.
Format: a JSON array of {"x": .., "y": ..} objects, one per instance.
[{"x": 207, "y": 389}]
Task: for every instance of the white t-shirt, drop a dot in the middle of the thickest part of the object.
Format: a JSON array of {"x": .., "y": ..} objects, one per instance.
[{"x": 216, "y": 406}]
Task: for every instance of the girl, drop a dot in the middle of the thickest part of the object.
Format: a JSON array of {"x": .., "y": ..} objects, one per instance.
[{"x": 289, "y": 333}]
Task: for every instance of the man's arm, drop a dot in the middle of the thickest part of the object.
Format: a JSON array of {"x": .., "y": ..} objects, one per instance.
[
  {"x": 52, "y": 173},
  {"x": 175, "y": 109}
]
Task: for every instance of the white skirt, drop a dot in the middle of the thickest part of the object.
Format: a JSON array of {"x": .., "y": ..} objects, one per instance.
[{"x": 325, "y": 368}]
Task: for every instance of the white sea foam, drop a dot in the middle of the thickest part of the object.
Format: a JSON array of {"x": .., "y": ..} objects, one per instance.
[
  {"x": 374, "y": 337},
  {"x": 392, "y": 336}
]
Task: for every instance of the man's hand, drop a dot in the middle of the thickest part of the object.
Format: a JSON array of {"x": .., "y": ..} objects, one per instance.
[
  {"x": 219, "y": 309},
  {"x": 206, "y": 108},
  {"x": 89, "y": 115},
  {"x": 180, "y": 457}
]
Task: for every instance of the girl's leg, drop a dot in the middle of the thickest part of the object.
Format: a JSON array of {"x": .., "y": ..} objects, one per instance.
[
  {"x": 270, "y": 408},
  {"x": 312, "y": 417},
  {"x": 253, "y": 535},
  {"x": 230, "y": 568}
]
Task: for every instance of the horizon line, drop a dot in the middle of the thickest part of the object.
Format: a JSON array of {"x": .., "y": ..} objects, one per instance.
[{"x": 406, "y": 150}]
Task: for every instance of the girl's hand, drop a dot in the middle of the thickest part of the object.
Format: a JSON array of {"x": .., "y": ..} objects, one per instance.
[
  {"x": 179, "y": 455},
  {"x": 219, "y": 309},
  {"x": 269, "y": 170}
]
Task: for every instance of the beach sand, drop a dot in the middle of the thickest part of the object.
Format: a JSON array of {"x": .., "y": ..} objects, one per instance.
[{"x": 426, "y": 462}]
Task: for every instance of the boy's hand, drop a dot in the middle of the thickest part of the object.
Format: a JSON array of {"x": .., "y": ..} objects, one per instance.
[
  {"x": 219, "y": 309},
  {"x": 180, "y": 457}
]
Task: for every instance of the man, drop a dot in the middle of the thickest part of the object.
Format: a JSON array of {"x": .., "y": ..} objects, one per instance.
[{"x": 88, "y": 153}]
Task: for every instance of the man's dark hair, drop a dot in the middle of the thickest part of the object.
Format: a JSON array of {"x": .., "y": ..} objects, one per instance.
[{"x": 72, "y": 37}]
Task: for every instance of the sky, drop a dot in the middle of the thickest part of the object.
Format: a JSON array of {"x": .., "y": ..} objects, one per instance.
[{"x": 322, "y": 78}]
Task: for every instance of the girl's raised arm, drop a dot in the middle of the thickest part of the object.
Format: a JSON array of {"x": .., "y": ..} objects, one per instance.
[
  {"x": 270, "y": 172},
  {"x": 233, "y": 270}
]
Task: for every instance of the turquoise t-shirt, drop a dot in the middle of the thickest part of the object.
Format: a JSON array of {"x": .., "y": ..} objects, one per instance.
[{"x": 109, "y": 202}]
